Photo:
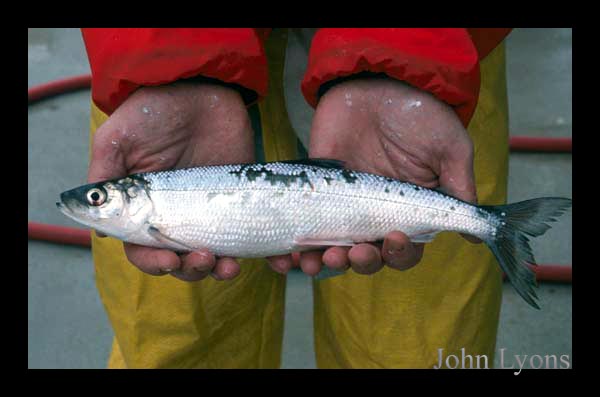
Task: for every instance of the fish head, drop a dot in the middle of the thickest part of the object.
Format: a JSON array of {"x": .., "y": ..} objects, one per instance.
[{"x": 117, "y": 208}]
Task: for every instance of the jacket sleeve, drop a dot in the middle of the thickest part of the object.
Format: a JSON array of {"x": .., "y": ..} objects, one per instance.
[
  {"x": 443, "y": 62},
  {"x": 124, "y": 59}
]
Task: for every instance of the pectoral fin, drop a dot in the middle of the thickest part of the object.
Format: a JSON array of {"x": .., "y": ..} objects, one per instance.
[{"x": 163, "y": 238}]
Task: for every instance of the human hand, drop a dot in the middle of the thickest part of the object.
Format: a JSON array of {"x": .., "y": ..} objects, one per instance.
[
  {"x": 178, "y": 125},
  {"x": 386, "y": 127}
]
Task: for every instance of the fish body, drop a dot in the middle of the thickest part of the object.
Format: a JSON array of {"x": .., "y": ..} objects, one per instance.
[{"x": 260, "y": 210}]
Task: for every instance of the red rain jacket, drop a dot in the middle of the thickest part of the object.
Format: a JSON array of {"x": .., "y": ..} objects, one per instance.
[{"x": 442, "y": 61}]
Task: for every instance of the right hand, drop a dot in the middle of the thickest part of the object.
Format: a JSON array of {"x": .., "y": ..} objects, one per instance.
[{"x": 178, "y": 125}]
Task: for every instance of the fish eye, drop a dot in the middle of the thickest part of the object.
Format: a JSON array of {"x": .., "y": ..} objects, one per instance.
[{"x": 96, "y": 197}]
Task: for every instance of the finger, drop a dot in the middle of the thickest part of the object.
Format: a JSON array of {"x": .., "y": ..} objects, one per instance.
[
  {"x": 195, "y": 266},
  {"x": 399, "y": 252},
  {"x": 336, "y": 258},
  {"x": 107, "y": 159},
  {"x": 189, "y": 276},
  {"x": 202, "y": 261},
  {"x": 281, "y": 263},
  {"x": 225, "y": 269},
  {"x": 153, "y": 261},
  {"x": 310, "y": 262},
  {"x": 457, "y": 177},
  {"x": 365, "y": 259}
]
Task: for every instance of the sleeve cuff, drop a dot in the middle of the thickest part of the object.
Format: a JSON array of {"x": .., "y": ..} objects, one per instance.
[
  {"x": 443, "y": 62},
  {"x": 122, "y": 60}
]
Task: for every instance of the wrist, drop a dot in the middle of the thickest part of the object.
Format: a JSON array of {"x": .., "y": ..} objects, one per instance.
[
  {"x": 357, "y": 76},
  {"x": 248, "y": 96}
]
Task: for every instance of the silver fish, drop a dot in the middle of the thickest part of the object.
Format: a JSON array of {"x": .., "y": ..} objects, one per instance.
[{"x": 259, "y": 210}]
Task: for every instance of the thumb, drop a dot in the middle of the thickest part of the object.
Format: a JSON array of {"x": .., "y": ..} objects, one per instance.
[
  {"x": 107, "y": 157},
  {"x": 457, "y": 178}
]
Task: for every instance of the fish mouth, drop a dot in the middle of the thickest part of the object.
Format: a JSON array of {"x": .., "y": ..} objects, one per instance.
[
  {"x": 63, "y": 204},
  {"x": 62, "y": 207},
  {"x": 65, "y": 209}
]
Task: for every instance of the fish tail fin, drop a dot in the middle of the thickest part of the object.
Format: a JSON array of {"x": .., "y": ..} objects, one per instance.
[{"x": 510, "y": 243}]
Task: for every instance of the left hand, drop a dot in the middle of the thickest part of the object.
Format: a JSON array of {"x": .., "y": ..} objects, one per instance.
[{"x": 386, "y": 127}]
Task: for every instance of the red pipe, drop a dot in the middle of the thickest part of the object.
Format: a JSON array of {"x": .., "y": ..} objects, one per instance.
[
  {"x": 58, "y": 87},
  {"x": 537, "y": 144},
  {"x": 76, "y": 236},
  {"x": 58, "y": 234},
  {"x": 556, "y": 273}
]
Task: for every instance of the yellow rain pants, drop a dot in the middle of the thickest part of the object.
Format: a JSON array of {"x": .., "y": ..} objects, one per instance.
[{"x": 451, "y": 300}]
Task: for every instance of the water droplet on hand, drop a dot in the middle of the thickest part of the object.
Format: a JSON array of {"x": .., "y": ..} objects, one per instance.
[
  {"x": 212, "y": 101},
  {"x": 348, "y": 98},
  {"x": 411, "y": 104}
]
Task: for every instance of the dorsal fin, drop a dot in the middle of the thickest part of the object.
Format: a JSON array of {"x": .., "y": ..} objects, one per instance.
[{"x": 325, "y": 163}]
